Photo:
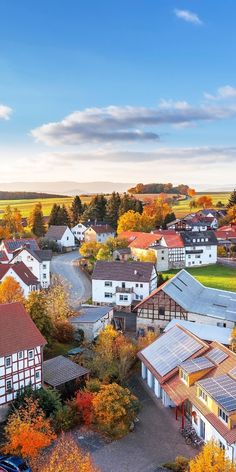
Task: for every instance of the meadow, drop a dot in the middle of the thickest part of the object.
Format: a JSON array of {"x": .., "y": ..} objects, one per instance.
[
  {"x": 26, "y": 206},
  {"x": 215, "y": 276}
]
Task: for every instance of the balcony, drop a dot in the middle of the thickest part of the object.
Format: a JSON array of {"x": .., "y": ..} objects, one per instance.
[
  {"x": 194, "y": 251},
  {"x": 124, "y": 290}
]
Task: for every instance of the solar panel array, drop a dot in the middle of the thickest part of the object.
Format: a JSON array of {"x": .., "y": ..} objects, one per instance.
[
  {"x": 13, "y": 245},
  {"x": 170, "y": 350},
  {"x": 196, "y": 365},
  {"x": 222, "y": 389},
  {"x": 217, "y": 356}
]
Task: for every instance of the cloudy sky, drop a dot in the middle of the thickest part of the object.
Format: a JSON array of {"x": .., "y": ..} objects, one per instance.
[{"x": 128, "y": 90}]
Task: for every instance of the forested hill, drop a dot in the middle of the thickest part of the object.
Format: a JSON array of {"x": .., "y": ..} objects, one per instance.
[
  {"x": 160, "y": 188},
  {"x": 26, "y": 195}
]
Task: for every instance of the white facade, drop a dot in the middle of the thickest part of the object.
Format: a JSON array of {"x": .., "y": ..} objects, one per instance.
[
  {"x": 99, "y": 237},
  {"x": 41, "y": 270},
  {"x": 67, "y": 239},
  {"x": 78, "y": 231},
  {"x": 25, "y": 288},
  {"x": 19, "y": 370},
  {"x": 92, "y": 329},
  {"x": 122, "y": 293},
  {"x": 200, "y": 255}
]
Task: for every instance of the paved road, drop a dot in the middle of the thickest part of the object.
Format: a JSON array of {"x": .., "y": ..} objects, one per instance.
[
  {"x": 79, "y": 284},
  {"x": 227, "y": 262}
]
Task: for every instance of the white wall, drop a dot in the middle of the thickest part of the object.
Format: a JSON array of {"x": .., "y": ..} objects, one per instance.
[
  {"x": 99, "y": 289},
  {"x": 41, "y": 270},
  {"x": 26, "y": 288},
  {"x": 208, "y": 255},
  {"x": 78, "y": 231},
  {"x": 91, "y": 235},
  {"x": 68, "y": 239}
]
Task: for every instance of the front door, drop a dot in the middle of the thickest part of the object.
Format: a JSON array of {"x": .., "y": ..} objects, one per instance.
[{"x": 202, "y": 429}]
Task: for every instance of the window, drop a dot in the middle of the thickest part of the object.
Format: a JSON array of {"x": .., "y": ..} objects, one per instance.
[
  {"x": 20, "y": 355},
  {"x": 223, "y": 415},
  {"x": 150, "y": 329},
  {"x": 108, "y": 283},
  {"x": 44, "y": 266},
  {"x": 222, "y": 446},
  {"x": 123, "y": 284},
  {"x": 124, "y": 298},
  {"x": 222, "y": 325},
  {"x": 141, "y": 285},
  {"x": 8, "y": 361},
  {"x": 8, "y": 385},
  {"x": 161, "y": 311},
  {"x": 108, "y": 295},
  {"x": 162, "y": 258},
  {"x": 183, "y": 376},
  {"x": 203, "y": 395},
  {"x": 44, "y": 276},
  {"x": 141, "y": 297},
  {"x": 30, "y": 354},
  {"x": 37, "y": 375},
  {"x": 136, "y": 285}
]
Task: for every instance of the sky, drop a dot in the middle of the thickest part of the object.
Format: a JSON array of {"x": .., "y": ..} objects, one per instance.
[{"x": 123, "y": 91}]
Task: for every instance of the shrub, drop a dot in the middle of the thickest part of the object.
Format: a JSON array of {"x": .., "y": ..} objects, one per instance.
[
  {"x": 64, "y": 419},
  {"x": 48, "y": 399},
  {"x": 93, "y": 385},
  {"x": 179, "y": 465},
  {"x": 64, "y": 331},
  {"x": 84, "y": 401}
]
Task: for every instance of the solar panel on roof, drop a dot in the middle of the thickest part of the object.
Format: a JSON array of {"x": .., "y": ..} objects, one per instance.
[
  {"x": 198, "y": 364},
  {"x": 217, "y": 356},
  {"x": 170, "y": 350},
  {"x": 222, "y": 389}
]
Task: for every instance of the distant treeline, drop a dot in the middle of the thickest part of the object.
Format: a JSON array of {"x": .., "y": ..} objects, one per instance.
[
  {"x": 26, "y": 195},
  {"x": 181, "y": 189}
]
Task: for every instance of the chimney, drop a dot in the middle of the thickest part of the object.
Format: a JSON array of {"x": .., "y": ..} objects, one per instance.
[{"x": 135, "y": 272}]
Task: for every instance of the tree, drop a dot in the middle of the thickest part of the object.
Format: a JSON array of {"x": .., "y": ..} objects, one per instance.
[
  {"x": 211, "y": 459},
  {"x": 148, "y": 256},
  {"x": 114, "y": 409},
  {"x": 90, "y": 249},
  {"x": 66, "y": 456},
  {"x": 28, "y": 430},
  {"x": 134, "y": 221},
  {"x": 112, "y": 209},
  {"x": 169, "y": 218},
  {"x": 48, "y": 399},
  {"x": 13, "y": 221},
  {"x": 144, "y": 341},
  {"x": 158, "y": 210},
  {"x": 59, "y": 216},
  {"x": 37, "y": 225},
  {"x": 104, "y": 254},
  {"x": 232, "y": 199},
  {"x": 4, "y": 233},
  {"x": 84, "y": 403},
  {"x": 130, "y": 203},
  {"x": 36, "y": 306},
  {"x": 76, "y": 209},
  {"x": 53, "y": 215},
  {"x": 96, "y": 209},
  {"x": 193, "y": 204},
  {"x": 205, "y": 201},
  {"x": 57, "y": 301},
  {"x": 10, "y": 291},
  {"x": 191, "y": 192},
  {"x": 232, "y": 213}
]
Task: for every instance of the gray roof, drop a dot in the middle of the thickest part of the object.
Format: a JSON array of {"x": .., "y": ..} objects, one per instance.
[
  {"x": 55, "y": 232},
  {"x": 199, "y": 238},
  {"x": 39, "y": 254},
  {"x": 59, "y": 370},
  {"x": 194, "y": 297},
  {"x": 91, "y": 314},
  {"x": 203, "y": 331},
  {"x": 123, "y": 250},
  {"x": 126, "y": 271}
]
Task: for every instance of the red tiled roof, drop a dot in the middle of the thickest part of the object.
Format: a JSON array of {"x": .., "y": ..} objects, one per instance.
[
  {"x": 139, "y": 240},
  {"x": 3, "y": 256},
  {"x": 18, "y": 331},
  {"x": 173, "y": 240},
  {"x": 225, "y": 234},
  {"x": 99, "y": 229},
  {"x": 21, "y": 270}
]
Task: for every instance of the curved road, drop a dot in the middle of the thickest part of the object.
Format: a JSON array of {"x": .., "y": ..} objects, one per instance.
[{"x": 80, "y": 286}]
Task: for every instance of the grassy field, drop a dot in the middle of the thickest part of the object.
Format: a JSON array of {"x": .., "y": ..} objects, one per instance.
[
  {"x": 25, "y": 206},
  {"x": 215, "y": 276}
]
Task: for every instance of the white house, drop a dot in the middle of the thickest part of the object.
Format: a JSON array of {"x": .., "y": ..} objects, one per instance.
[
  {"x": 92, "y": 320},
  {"x": 185, "y": 298},
  {"x": 78, "y": 231},
  {"x": 9, "y": 246},
  {"x": 37, "y": 261},
  {"x": 122, "y": 283},
  {"x": 25, "y": 278},
  {"x": 197, "y": 381},
  {"x": 62, "y": 235},
  {"x": 200, "y": 247},
  {"x": 99, "y": 233},
  {"x": 21, "y": 349}
]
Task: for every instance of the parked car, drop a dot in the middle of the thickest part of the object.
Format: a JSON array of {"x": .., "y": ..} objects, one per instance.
[
  {"x": 14, "y": 464},
  {"x": 2, "y": 470}
]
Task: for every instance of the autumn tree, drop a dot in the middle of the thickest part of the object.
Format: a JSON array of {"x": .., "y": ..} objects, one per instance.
[
  {"x": 4, "y": 233},
  {"x": 148, "y": 256},
  {"x": 158, "y": 210},
  {"x": 57, "y": 301},
  {"x": 144, "y": 341},
  {"x": 84, "y": 403},
  {"x": 191, "y": 192},
  {"x": 36, "y": 306},
  {"x": 232, "y": 213},
  {"x": 90, "y": 249},
  {"x": 36, "y": 220},
  {"x": 211, "y": 459},
  {"x": 28, "y": 430},
  {"x": 134, "y": 221},
  {"x": 193, "y": 204},
  {"x": 232, "y": 199},
  {"x": 13, "y": 221},
  {"x": 205, "y": 201},
  {"x": 114, "y": 409},
  {"x": 66, "y": 456},
  {"x": 10, "y": 291}
]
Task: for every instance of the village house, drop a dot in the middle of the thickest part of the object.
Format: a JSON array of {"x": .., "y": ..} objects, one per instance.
[
  {"x": 38, "y": 262},
  {"x": 200, "y": 247},
  {"x": 139, "y": 242},
  {"x": 194, "y": 222},
  {"x": 9, "y": 246},
  {"x": 183, "y": 297},
  {"x": 98, "y": 233},
  {"x": 78, "y": 231},
  {"x": 122, "y": 283},
  {"x": 226, "y": 236},
  {"x": 21, "y": 274},
  {"x": 92, "y": 320},
  {"x": 21, "y": 349},
  {"x": 176, "y": 250},
  {"x": 122, "y": 254},
  {"x": 61, "y": 235},
  {"x": 197, "y": 380}
]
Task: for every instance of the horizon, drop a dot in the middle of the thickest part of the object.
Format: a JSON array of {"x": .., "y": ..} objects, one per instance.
[{"x": 99, "y": 92}]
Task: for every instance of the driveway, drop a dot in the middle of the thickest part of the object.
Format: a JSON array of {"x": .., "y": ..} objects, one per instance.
[
  {"x": 227, "y": 262},
  {"x": 79, "y": 284},
  {"x": 155, "y": 440}
]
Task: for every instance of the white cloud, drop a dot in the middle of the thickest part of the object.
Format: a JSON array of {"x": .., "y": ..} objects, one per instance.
[
  {"x": 188, "y": 16},
  {"x": 223, "y": 93},
  {"x": 5, "y": 112},
  {"x": 127, "y": 124}
]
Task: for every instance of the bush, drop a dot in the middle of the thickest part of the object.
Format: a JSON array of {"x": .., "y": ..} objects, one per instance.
[
  {"x": 221, "y": 251},
  {"x": 64, "y": 331},
  {"x": 84, "y": 401},
  {"x": 64, "y": 419},
  {"x": 79, "y": 335},
  {"x": 48, "y": 399},
  {"x": 93, "y": 385},
  {"x": 179, "y": 465},
  {"x": 45, "y": 243}
]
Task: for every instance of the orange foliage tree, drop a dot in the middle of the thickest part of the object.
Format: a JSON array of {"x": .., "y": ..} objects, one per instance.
[
  {"x": 134, "y": 221},
  {"x": 204, "y": 201},
  {"x": 232, "y": 213},
  {"x": 28, "y": 430},
  {"x": 144, "y": 341},
  {"x": 84, "y": 403},
  {"x": 114, "y": 409},
  {"x": 157, "y": 210},
  {"x": 191, "y": 192},
  {"x": 66, "y": 456},
  {"x": 11, "y": 291},
  {"x": 211, "y": 459}
]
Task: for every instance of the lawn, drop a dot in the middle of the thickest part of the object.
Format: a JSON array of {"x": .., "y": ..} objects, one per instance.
[
  {"x": 215, "y": 276},
  {"x": 59, "y": 349}
]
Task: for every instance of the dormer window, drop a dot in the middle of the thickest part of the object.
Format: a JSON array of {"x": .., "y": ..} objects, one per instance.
[
  {"x": 183, "y": 376},
  {"x": 203, "y": 395},
  {"x": 222, "y": 415}
]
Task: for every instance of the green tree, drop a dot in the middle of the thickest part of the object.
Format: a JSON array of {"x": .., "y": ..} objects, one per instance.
[
  {"x": 232, "y": 199},
  {"x": 112, "y": 209},
  {"x": 129, "y": 203},
  {"x": 96, "y": 209},
  {"x": 76, "y": 209},
  {"x": 53, "y": 215},
  {"x": 36, "y": 306},
  {"x": 63, "y": 216},
  {"x": 37, "y": 225}
]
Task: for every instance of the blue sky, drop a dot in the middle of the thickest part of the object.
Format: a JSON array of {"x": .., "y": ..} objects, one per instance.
[{"x": 118, "y": 90}]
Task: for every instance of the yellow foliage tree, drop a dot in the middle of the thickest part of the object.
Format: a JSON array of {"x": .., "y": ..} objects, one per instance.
[
  {"x": 28, "y": 430},
  {"x": 204, "y": 201},
  {"x": 66, "y": 456},
  {"x": 211, "y": 459},
  {"x": 144, "y": 341},
  {"x": 90, "y": 249},
  {"x": 11, "y": 291},
  {"x": 232, "y": 213},
  {"x": 157, "y": 210},
  {"x": 134, "y": 221},
  {"x": 13, "y": 221},
  {"x": 149, "y": 256}
]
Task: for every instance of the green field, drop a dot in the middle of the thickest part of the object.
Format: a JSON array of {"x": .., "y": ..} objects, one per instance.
[
  {"x": 215, "y": 276},
  {"x": 183, "y": 206}
]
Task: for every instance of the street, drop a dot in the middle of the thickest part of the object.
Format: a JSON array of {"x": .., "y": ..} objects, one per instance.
[
  {"x": 78, "y": 282},
  {"x": 227, "y": 262}
]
